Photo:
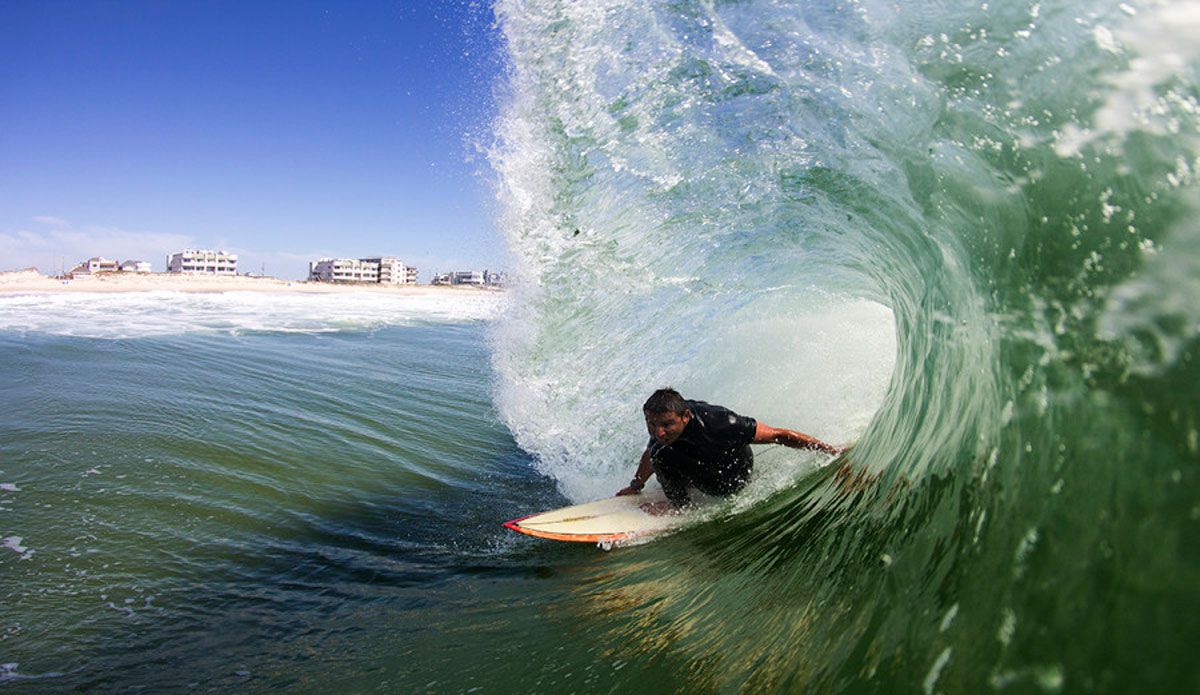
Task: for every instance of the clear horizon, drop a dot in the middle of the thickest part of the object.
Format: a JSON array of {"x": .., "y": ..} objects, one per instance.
[{"x": 281, "y": 132}]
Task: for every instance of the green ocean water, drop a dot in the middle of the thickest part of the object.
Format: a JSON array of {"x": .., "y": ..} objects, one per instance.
[{"x": 238, "y": 509}]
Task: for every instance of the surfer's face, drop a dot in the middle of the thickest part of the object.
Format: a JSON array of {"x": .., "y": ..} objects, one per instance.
[{"x": 666, "y": 427}]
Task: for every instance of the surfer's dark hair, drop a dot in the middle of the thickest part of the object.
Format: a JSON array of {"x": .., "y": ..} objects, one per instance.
[{"x": 665, "y": 400}]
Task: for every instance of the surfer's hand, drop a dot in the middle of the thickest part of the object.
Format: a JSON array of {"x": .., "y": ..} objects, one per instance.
[{"x": 629, "y": 490}]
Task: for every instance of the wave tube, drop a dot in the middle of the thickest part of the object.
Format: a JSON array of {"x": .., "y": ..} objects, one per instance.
[{"x": 963, "y": 237}]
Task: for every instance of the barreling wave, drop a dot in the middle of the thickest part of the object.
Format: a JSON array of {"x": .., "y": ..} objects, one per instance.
[{"x": 962, "y": 236}]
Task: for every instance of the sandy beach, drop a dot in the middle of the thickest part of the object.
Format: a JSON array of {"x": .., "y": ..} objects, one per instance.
[{"x": 30, "y": 281}]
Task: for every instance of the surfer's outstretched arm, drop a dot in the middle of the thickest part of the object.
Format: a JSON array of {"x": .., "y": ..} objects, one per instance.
[
  {"x": 765, "y": 434},
  {"x": 644, "y": 471}
]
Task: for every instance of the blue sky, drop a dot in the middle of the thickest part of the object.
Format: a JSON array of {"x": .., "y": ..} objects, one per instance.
[{"x": 281, "y": 131}]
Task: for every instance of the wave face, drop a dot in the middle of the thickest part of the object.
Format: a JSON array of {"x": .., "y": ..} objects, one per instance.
[{"x": 962, "y": 236}]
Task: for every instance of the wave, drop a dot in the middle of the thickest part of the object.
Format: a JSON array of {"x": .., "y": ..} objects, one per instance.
[{"x": 962, "y": 236}]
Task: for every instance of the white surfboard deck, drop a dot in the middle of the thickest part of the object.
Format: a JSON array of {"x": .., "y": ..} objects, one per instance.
[{"x": 610, "y": 520}]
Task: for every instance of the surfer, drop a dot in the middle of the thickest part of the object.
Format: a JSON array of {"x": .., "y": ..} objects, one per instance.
[{"x": 695, "y": 444}]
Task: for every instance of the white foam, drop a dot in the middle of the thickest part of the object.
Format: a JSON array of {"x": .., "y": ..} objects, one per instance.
[
  {"x": 1161, "y": 45},
  {"x": 139, "y": 314},
  {"x": 13, "y": 543}
]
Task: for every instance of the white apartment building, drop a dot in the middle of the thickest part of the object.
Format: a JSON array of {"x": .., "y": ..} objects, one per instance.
[
  {"x": 391, "y": 270},
  {"x": 343, "y": 270},
  {"x": 202, "y": 262},
  {"x": 386, "y": 270}
]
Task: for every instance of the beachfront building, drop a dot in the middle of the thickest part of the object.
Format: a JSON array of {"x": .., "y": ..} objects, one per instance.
[
  {"x": 459, "y": 277},
  {"x": 466, "y": 277},
  {"x": 477, "y": 278},
  {"x": 393, "y": 272},
  {"x": 343, "y": 270},
  {"x": 202, "y": 262},
  {"x": 135, "y": 267},
  {"x": 384, "y": 270},
  {"x": 98, "y": 264}
]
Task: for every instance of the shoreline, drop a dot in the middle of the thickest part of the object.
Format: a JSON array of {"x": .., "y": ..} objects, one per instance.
[{"x": 30, "y": 281}]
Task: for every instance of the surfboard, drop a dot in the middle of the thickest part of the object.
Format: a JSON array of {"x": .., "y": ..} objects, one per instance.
[{"x": 610, "y": 520}]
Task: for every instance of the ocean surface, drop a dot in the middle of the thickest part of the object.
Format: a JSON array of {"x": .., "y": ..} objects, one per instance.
[{"x": 962, "y": 237}]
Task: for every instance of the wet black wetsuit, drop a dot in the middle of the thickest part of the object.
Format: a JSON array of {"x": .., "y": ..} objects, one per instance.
[{"x": 712, "y": 455}]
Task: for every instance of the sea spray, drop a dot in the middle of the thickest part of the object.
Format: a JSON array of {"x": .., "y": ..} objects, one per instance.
[{"x": 656, "y": 225}]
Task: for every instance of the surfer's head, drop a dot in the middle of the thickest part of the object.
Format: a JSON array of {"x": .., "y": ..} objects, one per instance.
[{"x": 666, "y": 415}]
